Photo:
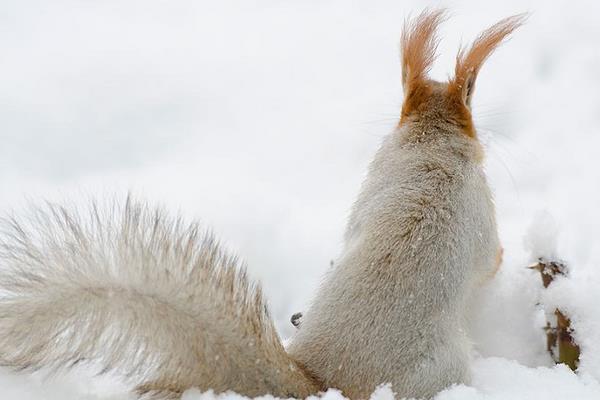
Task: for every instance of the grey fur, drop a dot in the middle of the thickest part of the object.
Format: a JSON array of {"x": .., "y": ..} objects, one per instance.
[{"x": 422, "y": 233}]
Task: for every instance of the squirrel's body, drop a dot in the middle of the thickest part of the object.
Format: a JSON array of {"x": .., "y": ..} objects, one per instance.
[
  {"x": 155, "y": 300},
  {"x": 421, "y": 234}
]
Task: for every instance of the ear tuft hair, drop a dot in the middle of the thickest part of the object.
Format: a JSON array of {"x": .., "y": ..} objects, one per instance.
[
  {"x": 419, "y": 43},
  {"x": 468, "y": 62}
]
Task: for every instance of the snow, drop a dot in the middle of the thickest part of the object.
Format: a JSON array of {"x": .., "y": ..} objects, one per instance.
[
  {"x": 494, "y": 379},
  {"x": 259, "y": 118}
]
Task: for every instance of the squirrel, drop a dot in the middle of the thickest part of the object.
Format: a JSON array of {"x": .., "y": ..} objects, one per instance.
[
  {"x": 160, "y": 302},
  {"x": 421, "y": 236}
]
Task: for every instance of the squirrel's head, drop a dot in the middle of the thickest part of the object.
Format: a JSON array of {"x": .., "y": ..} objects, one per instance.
[{"x": 441, "y": 103}]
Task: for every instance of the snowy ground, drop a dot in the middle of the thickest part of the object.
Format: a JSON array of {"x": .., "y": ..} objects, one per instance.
[{"x": 259, "y": 118}]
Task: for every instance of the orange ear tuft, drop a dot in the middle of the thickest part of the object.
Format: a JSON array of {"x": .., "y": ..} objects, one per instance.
[
  {"x": 419, "y": 43},
  {"x": 469, "y": 62}
]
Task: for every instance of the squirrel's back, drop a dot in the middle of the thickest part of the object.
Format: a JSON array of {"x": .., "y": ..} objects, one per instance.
[{"x": 422, "y": 232}]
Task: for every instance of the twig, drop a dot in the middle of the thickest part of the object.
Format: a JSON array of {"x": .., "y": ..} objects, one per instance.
[{"x": 559, "y": 339}]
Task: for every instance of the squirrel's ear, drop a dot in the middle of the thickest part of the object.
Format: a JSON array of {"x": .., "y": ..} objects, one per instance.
[
  {"x": 468, "y": 62},
  {"x": 418, "y": 46}
]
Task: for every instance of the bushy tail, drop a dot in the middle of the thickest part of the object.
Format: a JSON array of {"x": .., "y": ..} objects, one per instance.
[{"x": 140, "y": 294}]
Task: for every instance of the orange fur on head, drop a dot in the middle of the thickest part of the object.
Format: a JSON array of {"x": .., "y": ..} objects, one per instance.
[
  {"x": 419, "y": 43},
  {"x": 428, "y": 100},
  {"x": 469, "y": 62}
]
